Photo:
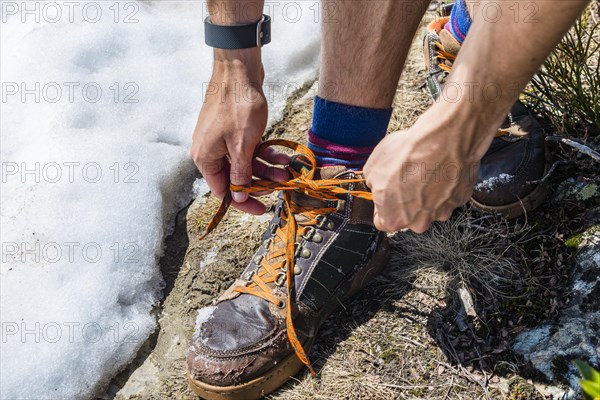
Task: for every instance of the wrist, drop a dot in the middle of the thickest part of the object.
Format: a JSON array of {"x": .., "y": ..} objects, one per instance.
[
  {"x": 462, "y": 129},
  {"x": 245, "y": 64}
]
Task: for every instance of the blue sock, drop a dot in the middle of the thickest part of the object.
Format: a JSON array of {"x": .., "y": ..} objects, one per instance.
[
  {"x": 346, "y": 135},
  {"x": 460, "y": 21}
]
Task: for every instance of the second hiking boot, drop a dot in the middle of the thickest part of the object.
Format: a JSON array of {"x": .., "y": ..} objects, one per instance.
[{"x": 516, "y": 161}]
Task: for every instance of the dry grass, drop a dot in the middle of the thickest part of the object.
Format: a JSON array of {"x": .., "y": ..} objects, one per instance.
[{"x": 478, "y": 252}]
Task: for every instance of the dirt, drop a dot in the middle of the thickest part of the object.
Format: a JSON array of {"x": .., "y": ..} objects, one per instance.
[{"x": 404, "y": 336}]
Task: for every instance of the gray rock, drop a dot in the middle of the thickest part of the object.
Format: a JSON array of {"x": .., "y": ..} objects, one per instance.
[{"x": 552, "y": 346}]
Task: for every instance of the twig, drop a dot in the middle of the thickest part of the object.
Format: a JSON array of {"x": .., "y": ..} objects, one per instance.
[
  {"x": 578, "y": 146},
  {"x": 447, "y": 396},
  {"x": 412, "y": 341},
  {"x": 550, "y": 172},
  {"x": 463, "y": 373}
]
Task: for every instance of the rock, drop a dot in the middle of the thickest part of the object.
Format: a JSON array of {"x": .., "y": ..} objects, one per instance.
[{"x": 553, "y": 346}]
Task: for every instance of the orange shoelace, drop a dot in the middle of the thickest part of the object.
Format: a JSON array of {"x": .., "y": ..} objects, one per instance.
[
  {"x": 278, "y": 264},
  {"x": 444, "y": 55}
]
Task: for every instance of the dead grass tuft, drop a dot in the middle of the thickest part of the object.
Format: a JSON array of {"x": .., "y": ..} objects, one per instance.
[{"x": 478, "y": 252}]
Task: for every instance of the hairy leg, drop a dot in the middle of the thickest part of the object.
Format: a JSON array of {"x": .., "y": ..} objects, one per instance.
[{"x": 365, "y": 44}]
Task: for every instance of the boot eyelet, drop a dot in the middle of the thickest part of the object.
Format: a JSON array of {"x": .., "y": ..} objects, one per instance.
[
  {"x": 321, "y": 220},
  {"x": 330, "y": 225},
  {"x": 299, "y": 250},
  {"x": 309, "y": 233},
  {"x": 317, "y": 238},
  {"x": 305, "y": 254},
  {"x": 274, "y": 229},
  {"x": 257, "y": 260},
  {"x": 297, "y": 270},
  {"x": 266, "y": 244},
  {"x": 248, "y": 276},
  {"x": 280, "y": 279},
  {"x": 281, "y": 304},
  {"x": 284, "y": 268}
]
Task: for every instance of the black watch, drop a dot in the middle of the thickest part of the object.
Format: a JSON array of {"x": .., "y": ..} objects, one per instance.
[{"x": 232, "y": 37}]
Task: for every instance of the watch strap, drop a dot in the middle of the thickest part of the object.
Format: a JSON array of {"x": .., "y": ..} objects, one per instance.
[{"x": 232, "y": 37}]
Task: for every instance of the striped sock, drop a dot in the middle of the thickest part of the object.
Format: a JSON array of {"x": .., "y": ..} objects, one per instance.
[
  {"x": 460, "y": 21},
  {"x": 346, "y": 135}
]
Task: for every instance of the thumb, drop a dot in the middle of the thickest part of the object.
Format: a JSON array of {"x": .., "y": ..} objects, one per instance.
[
  {"x": 240, "y": 174},
  {"x": 377, "y": 220}
]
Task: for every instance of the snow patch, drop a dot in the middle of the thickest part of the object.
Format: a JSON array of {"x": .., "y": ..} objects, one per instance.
[
  {"x": 204, "y": 315},
  {"x": 490, "y": 184},
  {"x": 98, "y": 166},
  {"x": 210, "y": 257},
  {"x": 200, "y": 188}
]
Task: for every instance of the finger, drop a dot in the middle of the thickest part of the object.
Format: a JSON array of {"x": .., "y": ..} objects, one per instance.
[
  {"x": 250, "y": 206},
  {"x": 421, "y": 227},
  {"x": 273, "y": 156},
  {"x": 261, "y": 193},
  {"x": 380, "y": 223},
  {"x": 461, "y": 198},
  {"x": 264, "y": 171},
  {"x": 422, "y": 224},
  {"x": 240, "y": 174},
  {"x": 216, "y": 174},
  {"x": 445, "y": 213}
]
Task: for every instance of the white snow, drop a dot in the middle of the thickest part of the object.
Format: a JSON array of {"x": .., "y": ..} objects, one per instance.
[
  {"x": 490, "y": 184},
  {"x": 99, "y": 100},
  {"x": 205, "y": 314},
  {"x": 200, "y": 188},
  {"x": 209, "y": 258}
]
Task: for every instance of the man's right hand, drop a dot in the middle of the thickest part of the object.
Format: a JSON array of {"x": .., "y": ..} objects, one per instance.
[{"x": 231, "y": 123}]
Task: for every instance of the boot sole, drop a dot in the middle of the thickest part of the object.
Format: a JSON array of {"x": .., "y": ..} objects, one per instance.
[
  {"x": 285, "y": 370},
  {"x": 254, "y": 389}
]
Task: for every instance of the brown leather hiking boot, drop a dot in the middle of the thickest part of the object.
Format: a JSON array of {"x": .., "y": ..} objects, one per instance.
[
  {"x": 517, "y": 157},
  {"x": 320, "y": 248}
]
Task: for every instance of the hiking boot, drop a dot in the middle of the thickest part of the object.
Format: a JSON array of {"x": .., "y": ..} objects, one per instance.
[
  {"x": 256, "y": 335},
  {"x": 511, "y": 170}
]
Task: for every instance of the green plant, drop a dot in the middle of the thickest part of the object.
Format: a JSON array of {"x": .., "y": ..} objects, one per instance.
[
  {"x": 590, "y": 384},
  {"x": 566, "y": 89}
]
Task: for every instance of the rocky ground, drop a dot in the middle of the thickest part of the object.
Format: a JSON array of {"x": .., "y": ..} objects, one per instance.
[{"x": 477, "y": 308}]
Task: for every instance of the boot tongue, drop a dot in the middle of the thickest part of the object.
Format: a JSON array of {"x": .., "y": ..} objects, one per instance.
[
  {"x": 451, "y": 45},
  {"x": 300, "y": 165}
]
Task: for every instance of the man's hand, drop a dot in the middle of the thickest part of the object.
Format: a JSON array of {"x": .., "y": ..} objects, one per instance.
[
  {"x": 411, "y": 173},
  {"x": 231, "y": 123},
  {"x": 421, "y": 175}
]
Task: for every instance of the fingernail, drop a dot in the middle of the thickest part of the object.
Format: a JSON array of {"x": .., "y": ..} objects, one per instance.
[{"x": 239, "y": 197}]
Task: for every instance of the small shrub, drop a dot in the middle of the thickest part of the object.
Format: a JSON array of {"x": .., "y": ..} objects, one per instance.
[{"x": 567, "y": 88}]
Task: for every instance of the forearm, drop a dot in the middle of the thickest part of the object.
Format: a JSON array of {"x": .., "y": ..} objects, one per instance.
[
  {"x": 499, "y": 57},
  {"x": 233, "y": 12}
]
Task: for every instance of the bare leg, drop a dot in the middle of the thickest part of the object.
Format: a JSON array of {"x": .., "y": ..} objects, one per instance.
[{"x": 365, "y": 44}]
